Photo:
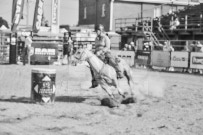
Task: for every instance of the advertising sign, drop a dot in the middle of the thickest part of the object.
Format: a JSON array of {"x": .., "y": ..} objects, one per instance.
[
  {"x": 4, "y": 54},
  {"x": 179, "y": 59},
  {"x": 17, "y": 12},
  {"x": 160, "y": 58},
  {"x": 128, "y": 56},
  {"x": 196, "y": 60},
  {"x": 44, "y": 52},
  {"x": 38, "y": 15},
  {"x": 55, "y": 16},
  {"x": 142, "y": 57}
]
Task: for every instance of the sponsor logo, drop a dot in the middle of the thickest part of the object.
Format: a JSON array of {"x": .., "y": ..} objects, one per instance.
[
  {"x": 18, "y": 10},
  {"x": 54, "y": 10},
  {"x": 142, "y": 57},
  {"x": 46, "y": 87},
  {"x": 175, "y": 58},
  {"x": 39, "y": 14},
  {"x": 197, "y": 60},
  {"x": 45, "y": 51}
]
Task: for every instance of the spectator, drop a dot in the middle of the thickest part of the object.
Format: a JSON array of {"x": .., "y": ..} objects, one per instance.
[
  {"x": 192, "y": 46},
  {"x": 27, "y": 49},
  {"x": 167, "y": 47},
  {"x": 131, "y": 46},
  {"x": 186, "y": 49},
  {"x": 199, "y": 47},
  {"x": 147, "y": 46},
  {"x": 67, "y": 47},
  {"x": 174, "y": 24},
  {"x": 125, "y": 48}
]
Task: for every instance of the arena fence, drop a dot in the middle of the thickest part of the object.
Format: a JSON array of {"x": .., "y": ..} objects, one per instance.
[{"x": 176, "y": 59}]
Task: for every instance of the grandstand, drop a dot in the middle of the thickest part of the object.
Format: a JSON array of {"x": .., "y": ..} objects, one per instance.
[{"x": 190, "y": 26}]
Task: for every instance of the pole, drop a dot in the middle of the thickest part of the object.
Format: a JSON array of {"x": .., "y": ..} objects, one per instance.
[
  {"x": 96, "y": 12},
  {"x": 27, "y": 5},
  {"x": 111, "y": 16}
]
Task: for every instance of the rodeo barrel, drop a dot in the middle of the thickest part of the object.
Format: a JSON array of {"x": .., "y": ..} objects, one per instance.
[{"x": 43, "y": 85}]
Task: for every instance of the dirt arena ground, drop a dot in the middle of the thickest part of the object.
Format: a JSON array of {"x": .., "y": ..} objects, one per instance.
[{"x": 77, "y": 109}]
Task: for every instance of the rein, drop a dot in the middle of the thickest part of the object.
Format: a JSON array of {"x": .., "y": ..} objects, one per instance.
[{"x": 88, "y": 59}]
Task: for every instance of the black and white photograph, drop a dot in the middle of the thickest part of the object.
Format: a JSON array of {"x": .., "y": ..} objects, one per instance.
[{"x": 101, "y": 67}]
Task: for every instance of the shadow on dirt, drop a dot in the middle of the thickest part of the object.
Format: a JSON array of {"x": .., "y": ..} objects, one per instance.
[
  {"x": 17, "y": 100},
  {"x": 74, "y": 99}
]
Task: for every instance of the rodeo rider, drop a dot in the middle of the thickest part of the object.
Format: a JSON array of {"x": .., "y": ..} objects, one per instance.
[{"x": 102, "y": 50}]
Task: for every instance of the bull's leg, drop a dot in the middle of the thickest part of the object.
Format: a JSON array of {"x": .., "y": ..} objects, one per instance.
[
  {"x": 128, "y": 75},
  {"x": 134, "y": 92},
  {"x": 116, "y": 84},
  {"x": 106, "y": 88}
]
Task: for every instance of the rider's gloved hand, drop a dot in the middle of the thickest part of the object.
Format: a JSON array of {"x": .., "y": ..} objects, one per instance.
[{"x": 100, "y": 52}]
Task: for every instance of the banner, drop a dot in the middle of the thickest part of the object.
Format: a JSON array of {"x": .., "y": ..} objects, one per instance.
[
  {"x": 38, "y": 16},
  {"x": 128, "y": 56},
  {"x": 179, "y": 59},
  {"x": 160, "y": 58},
  {"x": 142, "y": 57},
  {"x": 195, "y": 1},
  {"x": 44, "y": 52},
  {"x": 4, "y": 54},
  {"x": 17, "y": 12},
  {"x": 196, "y": 60},
  {"x": 55, "y": 16}
]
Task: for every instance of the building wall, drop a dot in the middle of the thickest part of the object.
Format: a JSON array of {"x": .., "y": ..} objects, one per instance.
[
  {"x": 120, "y": 10},
  {"x": 94, "y": 12},
  {"x": 125, "y": 10},
  {"x": 91, "y": 12},
  {"x": 105, "y": 20}
]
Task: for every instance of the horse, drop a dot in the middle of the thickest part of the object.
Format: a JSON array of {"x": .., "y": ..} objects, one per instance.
[{"x": 106, "y": 74}]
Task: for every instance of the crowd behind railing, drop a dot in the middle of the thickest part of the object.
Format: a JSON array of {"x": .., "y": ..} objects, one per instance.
[
  {"x": 189, "y": 47},
  {"x": 189, "y": 18}
]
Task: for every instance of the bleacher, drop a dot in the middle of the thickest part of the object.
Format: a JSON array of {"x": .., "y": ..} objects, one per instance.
[
  {"x": 191, "y": 23},
  {"x": 190, "y": 27}
]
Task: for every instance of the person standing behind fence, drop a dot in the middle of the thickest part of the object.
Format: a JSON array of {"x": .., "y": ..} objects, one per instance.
[
  {"x": 192, "y": 46},
  {"x": 67, "y": 47},
  {"x": 199, "y": 47},
  {"x": 27, "y": 49},
  {"x": 168, "y": 47},
  {"x": 174, "y": 24},
  {"x": 186, "y": 49}
]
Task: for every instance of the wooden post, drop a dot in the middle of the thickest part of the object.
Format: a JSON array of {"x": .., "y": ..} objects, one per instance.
[
  {"x": 201, "y": 22},
  {"x": 186, "y": 22}
]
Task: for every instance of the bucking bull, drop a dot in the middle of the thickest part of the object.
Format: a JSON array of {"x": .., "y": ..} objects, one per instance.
[{"x": 107, "y": 75}]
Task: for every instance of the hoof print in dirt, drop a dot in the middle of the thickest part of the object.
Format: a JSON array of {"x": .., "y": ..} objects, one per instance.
[
  {"x": 109, "y": 102},
  {"x": 129, "y": 100}
]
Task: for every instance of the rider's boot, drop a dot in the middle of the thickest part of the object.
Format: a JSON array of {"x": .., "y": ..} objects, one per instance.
[
  {"x": 114, "y": 62},
  {"x": 94, "y": 84}
]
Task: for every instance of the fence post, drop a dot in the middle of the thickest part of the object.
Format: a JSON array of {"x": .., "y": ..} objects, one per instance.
[
  {"x": 186, "y": 22},
  {"x": 201, "y": 22}
]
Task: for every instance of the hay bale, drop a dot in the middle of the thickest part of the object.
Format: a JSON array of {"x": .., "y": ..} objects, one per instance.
[
  {"x": 109, "y": 102},
  {"x": 129, "y": 100}
]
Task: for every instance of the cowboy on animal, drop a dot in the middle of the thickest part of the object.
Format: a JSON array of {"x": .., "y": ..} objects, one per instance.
[
  {"x": 106, "y": 74},
  {"x": 102, "y": 50}
]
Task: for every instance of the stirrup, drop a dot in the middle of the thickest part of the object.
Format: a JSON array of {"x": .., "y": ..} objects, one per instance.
[
  {"x": 119, "y": 75},
  {"x": 93, "y": 86}
]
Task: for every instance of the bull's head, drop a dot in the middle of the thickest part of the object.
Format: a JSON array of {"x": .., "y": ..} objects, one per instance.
[{"x": 80, "y": 55}]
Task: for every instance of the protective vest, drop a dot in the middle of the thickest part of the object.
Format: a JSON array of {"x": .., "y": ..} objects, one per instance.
[{"x": 101, "y": 42}]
